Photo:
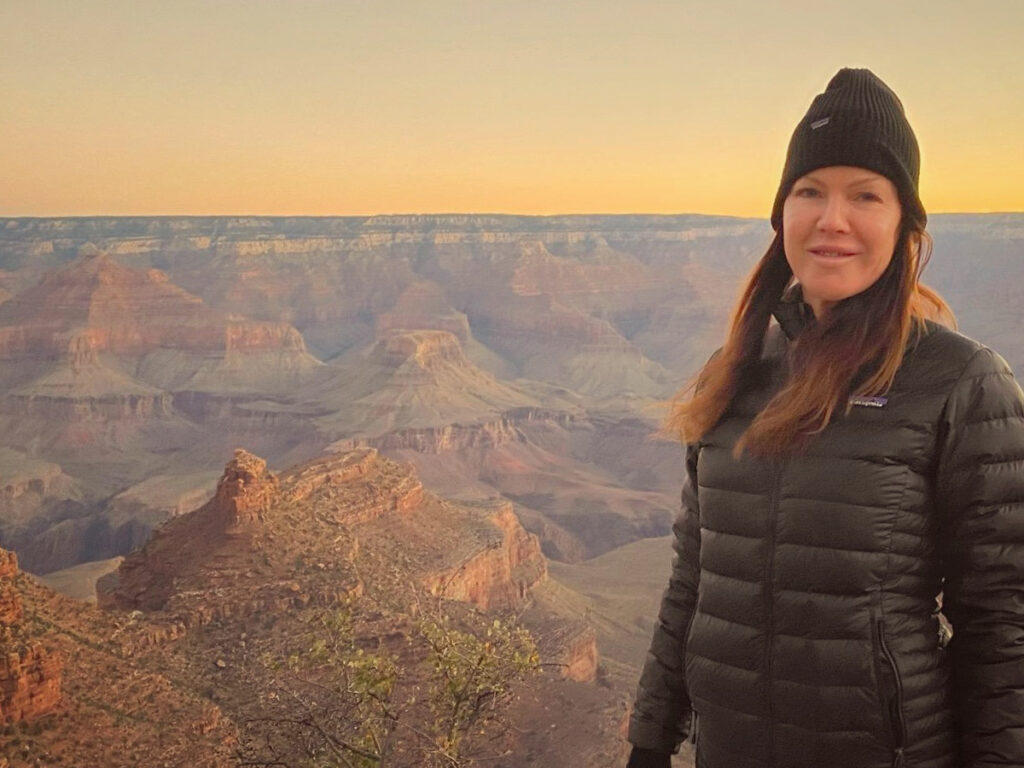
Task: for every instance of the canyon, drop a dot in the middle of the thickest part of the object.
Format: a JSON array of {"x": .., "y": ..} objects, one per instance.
[
  {"x": 153, "y": 348},
  {"x": 480, "y": 394}
]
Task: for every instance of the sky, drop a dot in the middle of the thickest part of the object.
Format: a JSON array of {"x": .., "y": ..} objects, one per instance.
[{"x": 346, "y": 107}]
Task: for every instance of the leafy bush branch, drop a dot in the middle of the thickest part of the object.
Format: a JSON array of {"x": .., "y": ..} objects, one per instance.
[{"x": 345, "y": 701}]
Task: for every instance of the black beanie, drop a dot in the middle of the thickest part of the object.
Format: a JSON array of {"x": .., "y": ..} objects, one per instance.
[{"x": 857, "y": 121}]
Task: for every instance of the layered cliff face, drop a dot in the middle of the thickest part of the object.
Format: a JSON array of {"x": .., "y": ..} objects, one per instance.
[
  {"x": 26, "y": 484},
  {"x": 98, "y": 363},
  {"x": 326, "y": 286},
  {"x": 333, "y": 277},
  {"x": 500, "y": 575},
  {"x": 79, "y": 387},
  {"x": 33, "y": 494},
  {"x": 583, "y": 484},
  {"x": 538, "y": 290},
  {"x": 224, "y": 534},
  {"x": 410, "y": 379},
  {"x": 451, "y": 438},
  {"x": 96, "y": 355},
  {"x": 10, "y": 603},
  {"x": 567, "y": 319},
  {"x": 423, "y": 306},
  {"x": 30, "y": 673},
  {"x": 245, "y": 491},
  {"x": 94, "y": 310},
  {"x": 426, "y": 384}
]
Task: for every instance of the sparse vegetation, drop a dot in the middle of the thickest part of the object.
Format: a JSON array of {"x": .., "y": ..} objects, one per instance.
[
  {"x": 472, "y": 678},
  {"x": 345, "y": 700}
]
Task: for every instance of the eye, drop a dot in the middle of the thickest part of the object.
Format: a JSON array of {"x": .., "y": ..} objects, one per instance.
[
  {"x": 805, "y": 192},
  {"x": 869, "y": 197}
]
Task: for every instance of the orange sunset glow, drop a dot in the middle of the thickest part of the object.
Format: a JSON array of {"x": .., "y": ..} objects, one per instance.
[{"x": 331, "y": 108}]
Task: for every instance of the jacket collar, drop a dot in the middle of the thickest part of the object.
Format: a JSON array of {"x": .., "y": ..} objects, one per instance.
[{"x": 792, "y": 312}]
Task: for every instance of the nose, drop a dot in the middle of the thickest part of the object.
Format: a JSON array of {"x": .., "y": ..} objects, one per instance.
[{"x": 834, "y": 215}]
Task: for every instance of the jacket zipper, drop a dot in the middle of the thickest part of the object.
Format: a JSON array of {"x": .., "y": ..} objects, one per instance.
[
  {"x": 693, "y": 727},
  {"x": 899, "y": 760},
  {"x": 773, "y": 502}
]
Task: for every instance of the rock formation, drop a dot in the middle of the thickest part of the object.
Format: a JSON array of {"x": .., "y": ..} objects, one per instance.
[
  {"x": 229, "y": 540},
  {"x": 30, "y": 674},
  {"x": 423, "y": 306},
  {"x": 96, "y": 361},
  {"x": 272, "y": 557},
  {"x": 222, "y": 530},
  {"x": 500, "y": 575},
  {"x": 410, "y": 379},
  {"x": 581, "y": 656},
  {"x": 10, "y": 603},
  {"x": 94, "y": 308},
  {"x": 155, "y": 345},
  {"x": 62, "y": 665},
  {"x": 245, "y": 491}
]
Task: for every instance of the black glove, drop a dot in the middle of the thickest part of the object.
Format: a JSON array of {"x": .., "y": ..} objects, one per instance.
[{"x": 648, "y": 758}]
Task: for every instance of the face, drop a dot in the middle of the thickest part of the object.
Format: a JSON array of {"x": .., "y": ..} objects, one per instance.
[{"x": 840, "y": 225}]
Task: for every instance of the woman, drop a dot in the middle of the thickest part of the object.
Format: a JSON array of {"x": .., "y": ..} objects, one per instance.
[{"x": 845, "y": 466}]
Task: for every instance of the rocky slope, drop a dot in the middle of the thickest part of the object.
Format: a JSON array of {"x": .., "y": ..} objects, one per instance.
[
  {"x": 69, "y": 696},
  {"x": 179, "y": 651},
  {"x": 254, "y": 522},
  {"x": 348, "y": 530},
  {"x": 94, "y": 308},
  {"x": 583, "y": 484},
  {"x": 647, "y": 278},
  {"x": 30, "y": 674}
]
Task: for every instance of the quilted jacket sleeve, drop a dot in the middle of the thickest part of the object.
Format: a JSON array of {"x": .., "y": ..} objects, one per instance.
[
  {"x": 981, "y": 487},
  {"x": 662, "y": 710}
]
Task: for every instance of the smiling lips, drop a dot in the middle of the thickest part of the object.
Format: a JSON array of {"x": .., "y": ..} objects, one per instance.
[{"x": 831, "y": 253}]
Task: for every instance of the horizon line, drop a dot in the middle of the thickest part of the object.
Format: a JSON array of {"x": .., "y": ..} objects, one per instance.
[{"x": 435, "y": 214}]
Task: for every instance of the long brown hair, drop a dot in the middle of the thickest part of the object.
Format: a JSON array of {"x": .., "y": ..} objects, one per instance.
[{"x": 854, "y": 349}]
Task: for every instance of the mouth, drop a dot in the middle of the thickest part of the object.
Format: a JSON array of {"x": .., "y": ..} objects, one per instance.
[{"x": 831, "y": 253}]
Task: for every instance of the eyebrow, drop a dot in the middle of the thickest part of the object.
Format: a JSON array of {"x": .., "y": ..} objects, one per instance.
[{"x": 855, "y": 183}]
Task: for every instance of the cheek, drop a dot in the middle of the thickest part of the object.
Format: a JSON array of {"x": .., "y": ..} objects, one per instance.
[
  {"x": 873, "y": 272},
  {"x": 787, "y": 247},
  {"x": 792, "y": 242},
  {"x": 883, "y": 245}
]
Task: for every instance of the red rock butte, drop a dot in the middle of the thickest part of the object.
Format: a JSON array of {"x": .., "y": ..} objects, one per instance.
[
  {"x": 246, "y": 490},
  {"x": 252, "y": 511}
]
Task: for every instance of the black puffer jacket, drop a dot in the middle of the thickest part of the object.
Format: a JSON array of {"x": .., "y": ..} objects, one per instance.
[{"x": 800, "y": 623}]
